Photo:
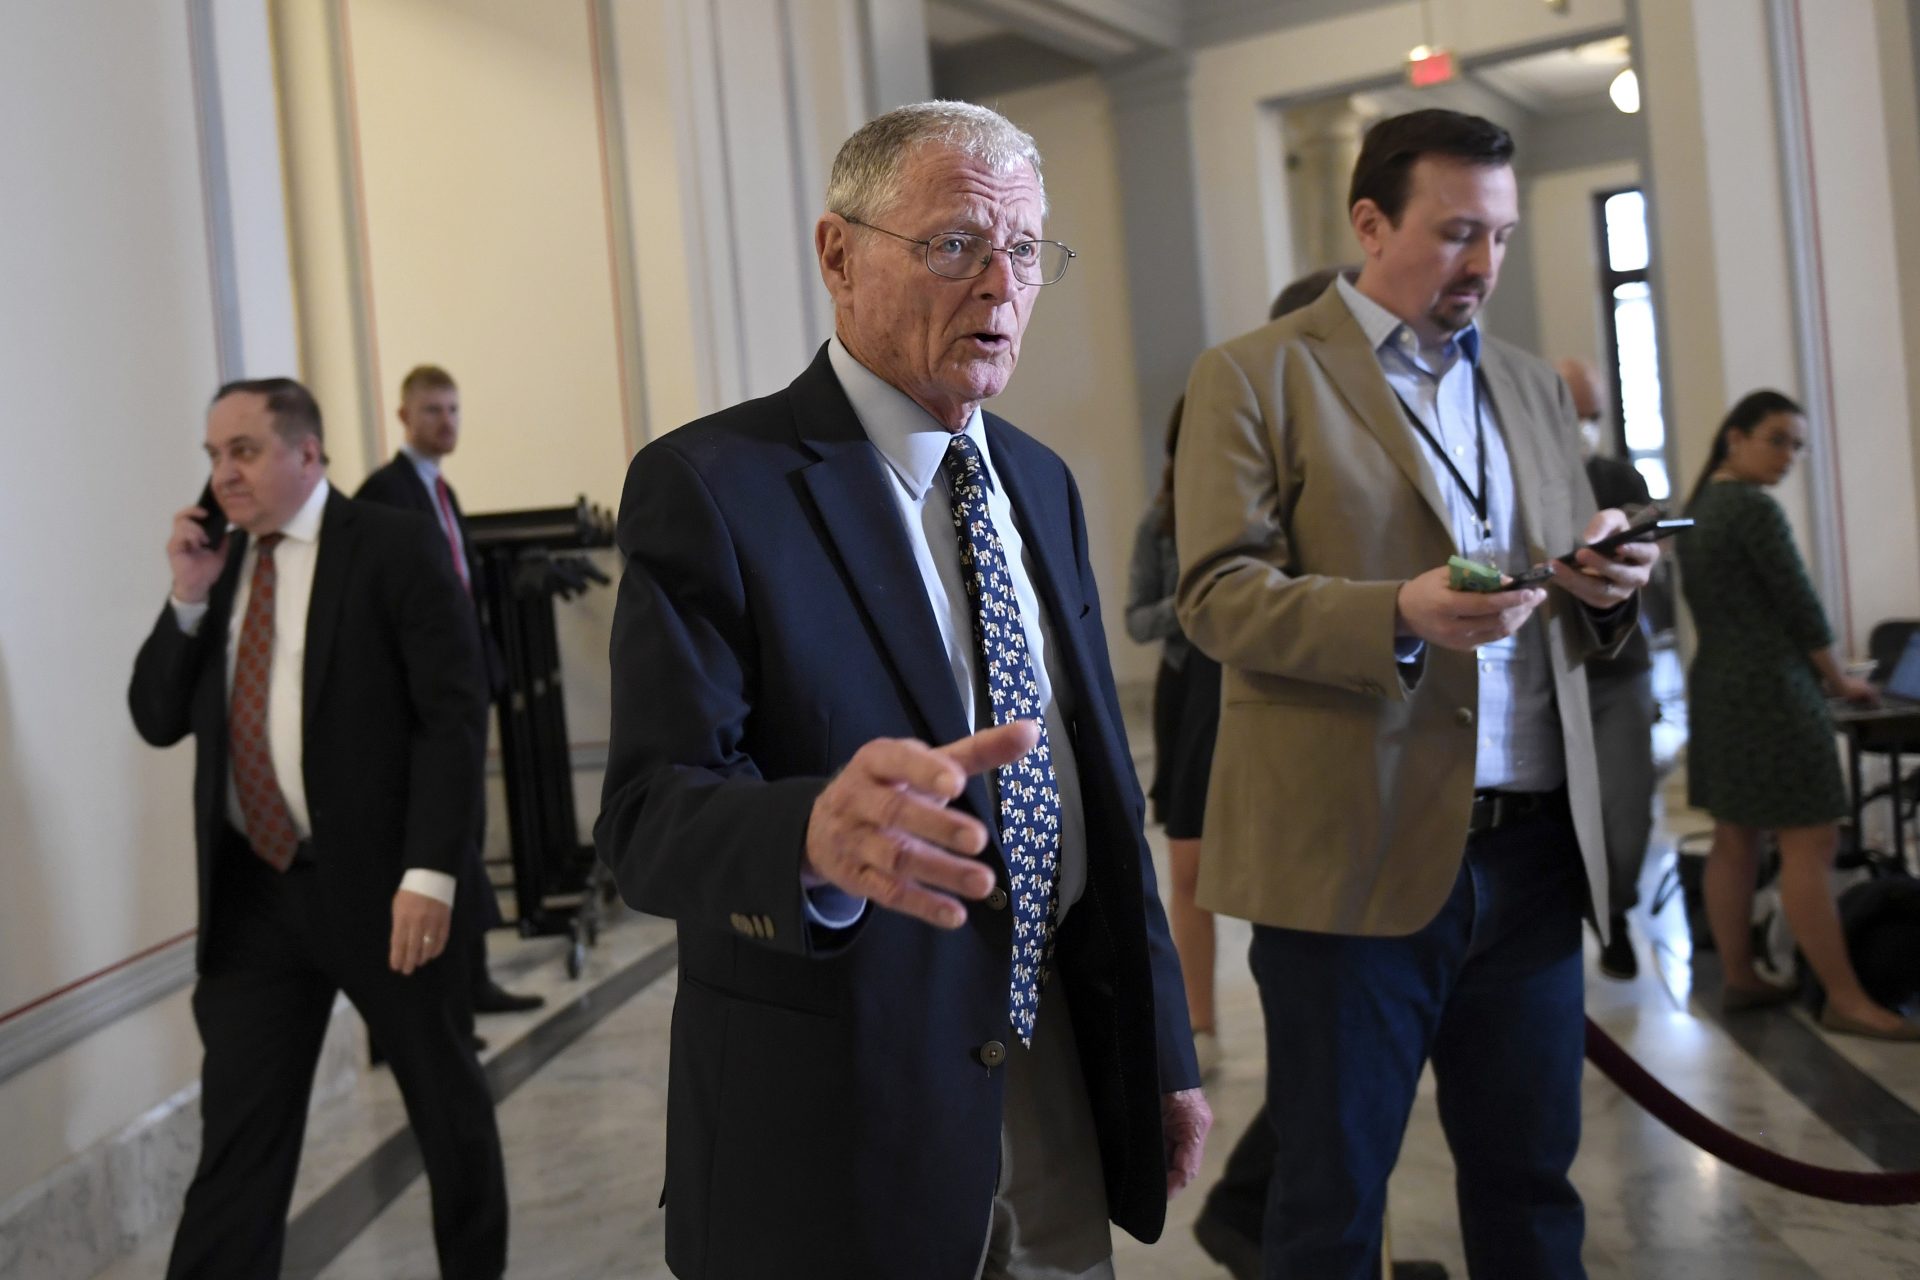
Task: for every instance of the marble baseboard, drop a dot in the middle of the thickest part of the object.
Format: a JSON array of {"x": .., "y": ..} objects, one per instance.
[{"x": 97, "y": 1207}]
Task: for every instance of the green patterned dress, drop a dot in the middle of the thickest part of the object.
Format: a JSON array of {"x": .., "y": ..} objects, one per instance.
[{"x": 1760, "y": 751}]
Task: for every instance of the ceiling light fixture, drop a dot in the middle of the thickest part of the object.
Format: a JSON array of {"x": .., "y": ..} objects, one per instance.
[{"x": 1625, "y": 91}]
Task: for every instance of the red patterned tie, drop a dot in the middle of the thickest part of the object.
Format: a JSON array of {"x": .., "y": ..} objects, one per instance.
[
  {"x": 452, "y": 529},
  {"x": 264, "y": 809}
]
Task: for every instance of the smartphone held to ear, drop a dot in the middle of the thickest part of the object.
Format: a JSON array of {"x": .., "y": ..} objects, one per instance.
[{"x": 215, "y": 520}]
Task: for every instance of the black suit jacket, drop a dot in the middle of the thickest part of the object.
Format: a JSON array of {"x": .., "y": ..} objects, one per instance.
[
  {"x": 393, "y": 712},
  {"x": 397, "y": 484},
  {"x": 1616, "y": 483},
  {"x": 828, "y": 1111}
]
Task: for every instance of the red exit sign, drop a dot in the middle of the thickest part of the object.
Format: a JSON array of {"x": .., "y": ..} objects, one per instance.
[{"x": 1428, "y": 67}]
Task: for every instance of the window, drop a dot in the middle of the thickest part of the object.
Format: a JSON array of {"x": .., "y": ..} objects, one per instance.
[{"x": 1640, "y": 432}]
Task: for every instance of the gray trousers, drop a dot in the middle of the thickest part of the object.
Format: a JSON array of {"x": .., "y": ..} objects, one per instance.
[
  {"x": 1049, "y": 1219},
  {"x": 1623, "y": 714}
]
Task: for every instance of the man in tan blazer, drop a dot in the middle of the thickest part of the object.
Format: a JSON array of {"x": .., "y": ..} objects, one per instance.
[{"x": 1403, "y": 797}]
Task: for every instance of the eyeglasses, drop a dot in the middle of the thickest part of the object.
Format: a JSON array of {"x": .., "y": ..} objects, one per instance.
[{"x": 961, "y": 255}]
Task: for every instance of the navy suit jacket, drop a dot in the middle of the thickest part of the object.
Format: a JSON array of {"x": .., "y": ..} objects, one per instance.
[
  {"x": 828, "y": 1110},
  {"x": 393, "y": 715}
]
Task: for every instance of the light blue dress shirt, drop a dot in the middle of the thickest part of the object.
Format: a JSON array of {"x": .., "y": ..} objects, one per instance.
[
  {"x": 913, "y": 446},
  {"x": 1519, "y": 748}
]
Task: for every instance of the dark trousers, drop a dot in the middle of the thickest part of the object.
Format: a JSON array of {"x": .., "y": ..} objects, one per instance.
[
  {"x": 1624, "y": 712},
  {"x": 1491, "y": 990},
  {"x": 275, "y": 958}
]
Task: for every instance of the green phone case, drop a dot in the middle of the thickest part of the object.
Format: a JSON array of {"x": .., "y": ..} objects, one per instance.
[{"x": 1470, "y": 575}]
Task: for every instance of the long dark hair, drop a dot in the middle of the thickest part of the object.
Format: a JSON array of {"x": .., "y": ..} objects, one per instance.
[
  {"x": 1754, "y": 408},
  {"x": 1165, "y": 498}
]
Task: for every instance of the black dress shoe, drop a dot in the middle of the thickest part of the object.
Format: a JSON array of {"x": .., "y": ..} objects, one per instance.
[
  {"x": 491, "y": 997},
  {"x": 1617, "y": 960},
  {"x": 1419, "y": 1271}
]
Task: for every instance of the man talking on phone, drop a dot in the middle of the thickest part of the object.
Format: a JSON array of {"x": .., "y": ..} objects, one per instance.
[
  {"x": 324, "y": 658},
  {"x": 1403, "y": 797}
]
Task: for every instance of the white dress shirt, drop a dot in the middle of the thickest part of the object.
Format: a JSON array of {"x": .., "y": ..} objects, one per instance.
[
  {"x": 914, "y": 446},
  {"x": 293, "y": 562}
]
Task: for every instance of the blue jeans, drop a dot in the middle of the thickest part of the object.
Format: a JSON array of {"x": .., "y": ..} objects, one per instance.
[{"x": 1492, "y": 991}]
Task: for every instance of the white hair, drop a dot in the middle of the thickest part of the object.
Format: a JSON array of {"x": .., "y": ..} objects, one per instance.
[{"x": 866, "y": 178}]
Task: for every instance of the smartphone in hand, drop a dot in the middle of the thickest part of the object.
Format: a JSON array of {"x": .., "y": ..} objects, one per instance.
[
  {"x": 1645, "y": 531},
  {"x": 1654, "y": 530},
  {"x": 215, "y": 520}
]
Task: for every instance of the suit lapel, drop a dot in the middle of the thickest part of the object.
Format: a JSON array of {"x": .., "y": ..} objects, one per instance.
[
  {"x": 1046, "y": 527},
  {"x": 338, "y": 530},
  {"x": 1340, "y": 346},
  {"x": 414, "y": 488},
  {"x": 849, "y": 487}
]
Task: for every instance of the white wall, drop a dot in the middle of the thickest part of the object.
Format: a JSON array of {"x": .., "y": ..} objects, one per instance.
[
  {"x": 107, "y": 359},
  {"x": 488, "y": 244},
  {"x": 1860, "y": 308},
  {"x": 1726, "y": 288},
  {"x": 1557, "y": 228}
]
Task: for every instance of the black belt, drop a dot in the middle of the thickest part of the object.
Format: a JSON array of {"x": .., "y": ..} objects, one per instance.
[{"x": 1495, "y": 809}]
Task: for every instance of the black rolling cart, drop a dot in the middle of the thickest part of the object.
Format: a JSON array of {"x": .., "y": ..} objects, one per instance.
[{"x": 528, "y": 560}]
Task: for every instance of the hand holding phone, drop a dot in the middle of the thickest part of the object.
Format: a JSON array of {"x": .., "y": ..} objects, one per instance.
[
  {"x": 197, "y": 548},
  {"x": 212, "y": 519},
  {"x": 1653, "y": 530}
]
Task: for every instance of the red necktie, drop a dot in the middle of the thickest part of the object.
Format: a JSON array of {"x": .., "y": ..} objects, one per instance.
[
  {"x": 269, "y": 824},
  {"x": 452, "y": 528}
]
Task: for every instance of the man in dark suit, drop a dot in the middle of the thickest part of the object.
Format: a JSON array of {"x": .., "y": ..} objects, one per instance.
[
  {"x": 929, "y": 1022},
  {"x": 1621, "y": 691},
  {"x": 325, "y": 663},
  {"x": 430, "y": 416}
]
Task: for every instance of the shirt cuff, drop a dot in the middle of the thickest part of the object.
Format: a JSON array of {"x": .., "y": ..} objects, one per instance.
[
  {"x": 831, "y": 908},
  {"x": 1407, "y": 649},
  {"x": 187, "y": 616},
  {"x": 437, "y": 885}
]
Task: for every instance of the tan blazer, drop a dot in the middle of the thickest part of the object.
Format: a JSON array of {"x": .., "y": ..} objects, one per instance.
[{"x": 1341, "y": 791}]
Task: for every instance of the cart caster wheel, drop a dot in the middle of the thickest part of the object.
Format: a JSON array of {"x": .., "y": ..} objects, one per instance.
[{"x": 576, "y": 960}]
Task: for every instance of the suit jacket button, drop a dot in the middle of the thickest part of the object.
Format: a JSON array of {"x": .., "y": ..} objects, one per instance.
[
  {"x": 997, "y": 900},
  {"x": 993, "y": 1053},
  {"x": 1463, "y": 716}
]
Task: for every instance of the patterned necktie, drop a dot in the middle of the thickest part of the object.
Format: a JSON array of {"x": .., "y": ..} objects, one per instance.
[
  {"x": 269, "y": 824},
  {"x": 1029, "y": 804},
  {"x": 451, "y": 528}
]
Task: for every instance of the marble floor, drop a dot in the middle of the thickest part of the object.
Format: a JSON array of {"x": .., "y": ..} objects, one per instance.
[{"x": 583, "y": 1128}]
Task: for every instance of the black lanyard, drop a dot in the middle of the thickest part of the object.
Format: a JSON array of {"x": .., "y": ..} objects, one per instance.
[{"x": 1478, "y": 498}]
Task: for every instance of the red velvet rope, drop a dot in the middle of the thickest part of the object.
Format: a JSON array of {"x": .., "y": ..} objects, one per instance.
[{"x": 1840, "y": 1185}]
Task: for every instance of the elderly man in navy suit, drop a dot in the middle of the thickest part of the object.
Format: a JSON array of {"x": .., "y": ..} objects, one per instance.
[{"x": 867, "y": 754}]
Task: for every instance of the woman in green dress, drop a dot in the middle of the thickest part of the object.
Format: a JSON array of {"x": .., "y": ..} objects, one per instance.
[{"x": 1761, "y": 754}]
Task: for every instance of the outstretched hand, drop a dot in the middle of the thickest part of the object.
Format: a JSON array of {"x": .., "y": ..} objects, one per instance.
[{"x": 884, "y": 828}]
